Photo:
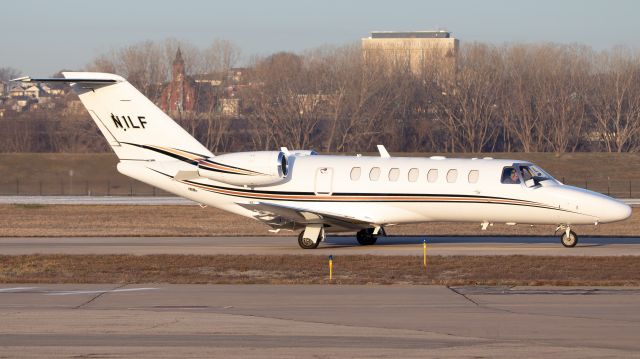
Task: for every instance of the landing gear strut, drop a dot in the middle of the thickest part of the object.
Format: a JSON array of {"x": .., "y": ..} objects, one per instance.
[
  {"x": 568, "y": 238},
  {"x": 366, "y": 237}
]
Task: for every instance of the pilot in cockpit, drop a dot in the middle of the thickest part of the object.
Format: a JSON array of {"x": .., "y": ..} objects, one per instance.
[{"x": 510, "y": 176}]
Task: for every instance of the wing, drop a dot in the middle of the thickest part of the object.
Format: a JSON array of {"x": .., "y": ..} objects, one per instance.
[{"x": 286, "y": 217}]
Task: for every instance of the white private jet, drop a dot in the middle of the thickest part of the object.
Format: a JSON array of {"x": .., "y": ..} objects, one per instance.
[{"x": 318, "y": 194}]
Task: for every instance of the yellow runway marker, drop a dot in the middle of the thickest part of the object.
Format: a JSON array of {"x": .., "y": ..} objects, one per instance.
[
  {"x": 330, "y": 268},
  {"x": 424, "y": 254}
]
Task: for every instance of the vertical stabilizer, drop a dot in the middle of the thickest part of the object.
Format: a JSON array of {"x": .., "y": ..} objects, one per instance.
[{"x": 133, "y": 125}]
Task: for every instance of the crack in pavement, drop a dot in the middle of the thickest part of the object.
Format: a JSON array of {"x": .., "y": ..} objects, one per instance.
[
  {"x": 80, "y": 306},
  {"x": 465, "y": 297}
]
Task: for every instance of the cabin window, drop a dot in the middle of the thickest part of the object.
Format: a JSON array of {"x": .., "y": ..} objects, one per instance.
[
  {"x": 413, "y": 175},
  {"x": 473, "y": 176},
  {"x": 355, "y": 173},
  {"x": 510, "y": 175},
  {"x": 394, "y": 173},
  {"x": 374, "y": 174},
  {"x": 432, "y": 175},
  {"x": 452, "y": 175}
]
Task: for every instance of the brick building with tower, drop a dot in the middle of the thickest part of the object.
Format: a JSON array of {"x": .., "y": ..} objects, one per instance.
[{"x": 179, "y": 95}]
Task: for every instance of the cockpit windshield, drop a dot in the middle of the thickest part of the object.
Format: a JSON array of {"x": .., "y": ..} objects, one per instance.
[{"x": 532, "y": 175}]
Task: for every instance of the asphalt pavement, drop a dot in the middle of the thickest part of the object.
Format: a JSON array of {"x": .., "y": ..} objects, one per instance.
[
  {"x": 485, "y": 245},
  {"x": 247, "y": 321}
]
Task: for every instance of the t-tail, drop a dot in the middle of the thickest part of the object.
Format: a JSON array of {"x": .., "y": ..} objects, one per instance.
[
  {"x": 134, "y": 126},
  {"x": 151, "y": 146}
]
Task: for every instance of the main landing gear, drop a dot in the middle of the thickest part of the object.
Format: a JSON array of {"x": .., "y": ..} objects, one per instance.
[
  {"x": 311, "y": 237},
  {"x": 568, "y": 238},
  {"x": 366, "y": 237}
]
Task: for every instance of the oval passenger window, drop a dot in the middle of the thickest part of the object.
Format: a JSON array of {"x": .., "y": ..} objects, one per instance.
[
  {"x": 413, "y": 175},
  {"x": 394, "y": 173},
  {"x": 473, "y": 176},
  {"x": 432, "y": 175},
  {"x": 374, "y": 174},
  {"x": 355, "y": 173},
  {"x": 452, "y": 176}
]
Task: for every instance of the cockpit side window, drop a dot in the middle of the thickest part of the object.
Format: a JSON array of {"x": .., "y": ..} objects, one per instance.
[{"x": 510, "y": 176}]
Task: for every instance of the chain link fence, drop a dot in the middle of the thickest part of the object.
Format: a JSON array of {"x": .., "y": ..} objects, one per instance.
[{"x": 78, "y": 187}]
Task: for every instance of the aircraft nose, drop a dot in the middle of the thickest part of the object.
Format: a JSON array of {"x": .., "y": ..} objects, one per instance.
[{"x": 614, "y": 211}]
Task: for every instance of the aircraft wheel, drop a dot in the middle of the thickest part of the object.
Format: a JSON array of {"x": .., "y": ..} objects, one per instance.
[
  {"x": 365, "y": 237},
  {"x": 569, "y": 240},
  {"x": 307, "y": 243}
]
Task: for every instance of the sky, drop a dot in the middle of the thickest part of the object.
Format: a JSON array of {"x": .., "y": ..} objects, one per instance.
[{"x": 42, "y": 37}]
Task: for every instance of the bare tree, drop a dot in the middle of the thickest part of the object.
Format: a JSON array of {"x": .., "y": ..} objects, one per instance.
[
  {"x": 563, "y": 95},
  {"x": 219, "y": 57},
  {"x": 470, "y": 105},
  {"x": 521, "y": 109},
  {"x": 9, "y": 73},
  {"x": 615, "y": 101}
]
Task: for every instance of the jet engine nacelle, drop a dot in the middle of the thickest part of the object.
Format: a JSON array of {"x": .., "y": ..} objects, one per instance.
[{"x": 259, "y": 168}]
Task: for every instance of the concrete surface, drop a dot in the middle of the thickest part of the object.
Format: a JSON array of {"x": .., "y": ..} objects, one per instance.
[
  {"x": 588, "y": 246},
  {"x": 250, "y": 321}
]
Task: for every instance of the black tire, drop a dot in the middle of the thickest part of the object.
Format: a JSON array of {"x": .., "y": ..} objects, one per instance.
[
  {"x": 307, "y": 243},
  {"x": 569, "y": 241},
  {"x": 366, "y": 237}
]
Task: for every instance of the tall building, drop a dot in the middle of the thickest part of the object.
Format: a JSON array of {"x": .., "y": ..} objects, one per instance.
[
  {"x": 179, "y": 95},
  {"x": 412, "y": 49}
]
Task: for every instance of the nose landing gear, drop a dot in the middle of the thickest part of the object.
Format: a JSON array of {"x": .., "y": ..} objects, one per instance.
[{"x": 568, "y": 238}]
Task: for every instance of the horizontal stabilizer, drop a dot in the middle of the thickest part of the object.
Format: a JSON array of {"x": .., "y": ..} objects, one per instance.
[
  {"x": 89, "y": 81},
  {"x": 77, "y": 77}
]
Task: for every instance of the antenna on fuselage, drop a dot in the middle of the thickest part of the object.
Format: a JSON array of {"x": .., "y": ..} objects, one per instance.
[{"x": 383, "y": 152}]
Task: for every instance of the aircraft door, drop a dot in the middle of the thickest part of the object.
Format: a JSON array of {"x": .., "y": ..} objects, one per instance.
[{"x": 324, "y": 181}]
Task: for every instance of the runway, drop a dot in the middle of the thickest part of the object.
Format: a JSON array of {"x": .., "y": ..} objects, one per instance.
[
  {"x": 588, "y": 246},
  {"x": 316, "y": 321}
]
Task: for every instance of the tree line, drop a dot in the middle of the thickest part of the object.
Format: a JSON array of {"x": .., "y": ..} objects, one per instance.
[{"x": 491, "y": 98}]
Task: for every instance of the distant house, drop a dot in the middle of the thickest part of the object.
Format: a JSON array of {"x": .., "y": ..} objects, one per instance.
[
  {"x": 229, "y": 106},
  {"x": 16, "y": 91},
  {"x": 32, "y": 91},
  {"x": 52, "y": 90},
  {"x": 3, "y": 88},
  {"x": 209, "y": 79},
  {"x": 19, "y": 103}
]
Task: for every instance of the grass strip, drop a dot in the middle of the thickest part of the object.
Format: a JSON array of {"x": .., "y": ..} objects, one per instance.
[{"x": 311, "y": 269}]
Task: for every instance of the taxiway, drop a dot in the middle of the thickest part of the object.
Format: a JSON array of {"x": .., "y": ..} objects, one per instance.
[
  {"x": 311, "y": 321},
  {"x": 588, "y": 246}
]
